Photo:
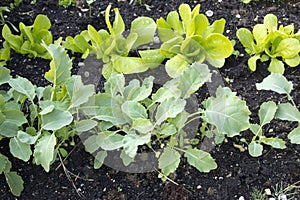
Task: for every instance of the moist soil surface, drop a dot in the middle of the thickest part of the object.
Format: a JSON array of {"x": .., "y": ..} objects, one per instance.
[{"x": 238, "y": 174}]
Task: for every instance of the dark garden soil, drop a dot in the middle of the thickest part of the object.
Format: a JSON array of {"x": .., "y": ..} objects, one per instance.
[{"x": 238, "y": 174}]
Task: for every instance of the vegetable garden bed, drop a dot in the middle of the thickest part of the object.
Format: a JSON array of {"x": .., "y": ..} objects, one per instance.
[{"x": 235, "y": 86}]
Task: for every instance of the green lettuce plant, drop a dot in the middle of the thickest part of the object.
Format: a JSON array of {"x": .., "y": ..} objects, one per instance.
[
  {"x": 268, "y": 42},
  {"x": 188, "y": 37},
  {"x": 29, "y": 41},
  {"x": 113, "y": 48},
  {"x": 4, "y": 54}
]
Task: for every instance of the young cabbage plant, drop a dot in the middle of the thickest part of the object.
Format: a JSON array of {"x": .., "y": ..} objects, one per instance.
[
  {"x": 29, "y": 42},
  {"x": 113, "y": 47},
  {"x": 188, "y": 37},
  {"x": 130, "y": 116},
  {"x": 268, "y": 42}
]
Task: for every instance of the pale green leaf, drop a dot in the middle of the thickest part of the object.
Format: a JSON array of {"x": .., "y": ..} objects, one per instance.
[
  {"x": 277, "y": 83},
  {"x": 176, "y": 65},
  {"x": 169, "y": 161},
  {"x": 274, "y": 142},
  {"x": 60, "y": 66},
  {"x": 4, "y": 75},
  {"x": 252, "y": 62},
  {"x": 136, "y": 93},
  {"x": 246, "y": 38},
  {"x": 85, "y": 125},
  {"x": 288, "y": 48},
  {"x": 115, "y": 84},
  {"x": 118, "y": 24},
  {"x": 23, "y": 86},
  {"x": 125, "y": 158},
  {"x": 255, "y": 149},
  {"x": 56, "y": 119},
  {"x": 200, "y": 159},
  {"x": 227, "y": 112},
  {"x": 145, "y": 28},
  {"x": 167, "y": 129},
  {"x": 41, "y": 22},
  {"x": 271, "y": 22},
  {"x": 15, "y": 117},
  {"x": 8, "y": 129},
  {"x": 142, "y": 125},
  {"x": 44, "y": 150},
  {"x": 287, "y": 111},
  {"x": 276, "y": 66},
  {"x": 99, "y": 159},
  {"x": 91, "y": 145},
  {"x": 132, "y": 141},
  {"x": 108, "y": 140},
  {"x": 134, "y": 110},
  {"x": 267, "y": 112},
  {"x": 5, "y": 164},
  {"x": 169, "y": 108},
  {"x": 293, "y": 62},
  {"x": 19, "y": 150},
  {"x": 260, "y": 33},
  {"x": 15, "y": 183},
  {"x": 26, "y": 138},
  {"x": 294, "y": 136},
  {"x": 256, "y": 129},
  {"x": 129, "y": 65}
]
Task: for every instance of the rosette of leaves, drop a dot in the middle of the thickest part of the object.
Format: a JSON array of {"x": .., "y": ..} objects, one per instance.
[
  {"x": 132, "y": 115},
  {"x": 113, "y": 48},
  {"x": 48, "y": 121},
  {"x": 268, "y": 42},
  {"x": 29, "y": 41},
  {"x": 188, "y": 37}
]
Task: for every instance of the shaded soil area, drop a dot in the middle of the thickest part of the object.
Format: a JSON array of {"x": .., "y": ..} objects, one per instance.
[{"x": 238, "y": 174}]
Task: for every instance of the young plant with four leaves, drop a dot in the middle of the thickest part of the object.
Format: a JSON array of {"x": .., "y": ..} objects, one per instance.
[
  {"x": 188, "y": 37},
  {"x": 268, "y": 42}
]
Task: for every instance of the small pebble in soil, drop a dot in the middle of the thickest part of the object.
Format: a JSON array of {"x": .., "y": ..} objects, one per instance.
[
  {"x": 238, "y": 16},
  {"x": 199, "y": 187},
  {"x": 242, "y": 198},
  {"x": 209, "y": 13}
]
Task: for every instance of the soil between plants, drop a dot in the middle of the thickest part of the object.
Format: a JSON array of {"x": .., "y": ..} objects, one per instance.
[{"x": 238, "y": 174}]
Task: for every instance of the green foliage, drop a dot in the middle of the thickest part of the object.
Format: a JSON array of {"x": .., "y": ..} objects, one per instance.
[
  {"x": 112, "y": 47},
  {"x": 188, "y": 37},
  {"x": 66, "y": 3},
  {"x": 268, "y": 42},
  {"x": 31, "y": 37}
]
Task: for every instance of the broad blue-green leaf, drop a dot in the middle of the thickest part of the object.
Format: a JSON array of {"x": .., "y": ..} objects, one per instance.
[
  {"x": 255, "y": 149},
  {"x": 274, "y": 142},
  {"x": 176, "y": 65},
  {"x": 142, "y": 125},
  {"x": 26, "y": 138},
  {"x": 8, "y": 129},
  {"x": 56, "y": 119},
  {"x": 277, "y": 83},
  {"x": 115, "y": 84},
  {"x": 60, "y": 66},
  {"x": 287, "y": 111},
  {"x": 47, "y": 109},
  {"x": 4, "y": 75},
  {"x": 200, "y": 159},
  {"x": 169, "y": 108},
  {"x": 109, "y": 140},
  {"x": 227, "y": 112},
  {"x": 132, "y": 141},
  {"x": 145, "y": 28},
  {"x": 78, "y": 92},
  {"x": 15, "y": 117},
  {"x": 256, "y": 129},
  {"x": 91, "y": 145},
  {"x": 169, "y": 161},
  {"x": 23, "y": 86},
  {"x": 5, "y": 164},
  {"x": 193, "y": 78},
  {"x": 15, "y": 183},
  {"x": 170, "y": 89},
  {"x": 167, "y": 129},
  {"x": 134, "y": 110},
  {"x": 125, "y": 158},
  {"x": 19, "y": 150},
  {"x": 294, "y": 136},
  {"x": 44, "y": 150},
  {"x": 99, "y": 159},
  {"x": 85, "y": 125},
  {"x": 141, "y": 93},
  {"x": 151, "y": 57},
  {"x": 267, "y": 112}
]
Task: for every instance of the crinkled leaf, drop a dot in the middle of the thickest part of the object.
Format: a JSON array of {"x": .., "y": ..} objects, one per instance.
[
  {"x": 227, "y": 112},
  {"x": 19, "y": 150},
  {"x": 287, "y": 111},
  {"x": 200, "y": 159},
  {"x": 60, "y": 66},
  {"x": 44, "y": 150},
  {"x": 15, "y": 183},
  {"x": 56, "y": 119},
  {"x": 277, "y": 83},
  {"x": 169, "y": 108},
  {"x": 132, "y": 141},
  {"x": 169, "y": 161},
  {"x": 255, "y": 149},
  {"x": 294, "y": 136},
  {"x": 267, "y": 112}
]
